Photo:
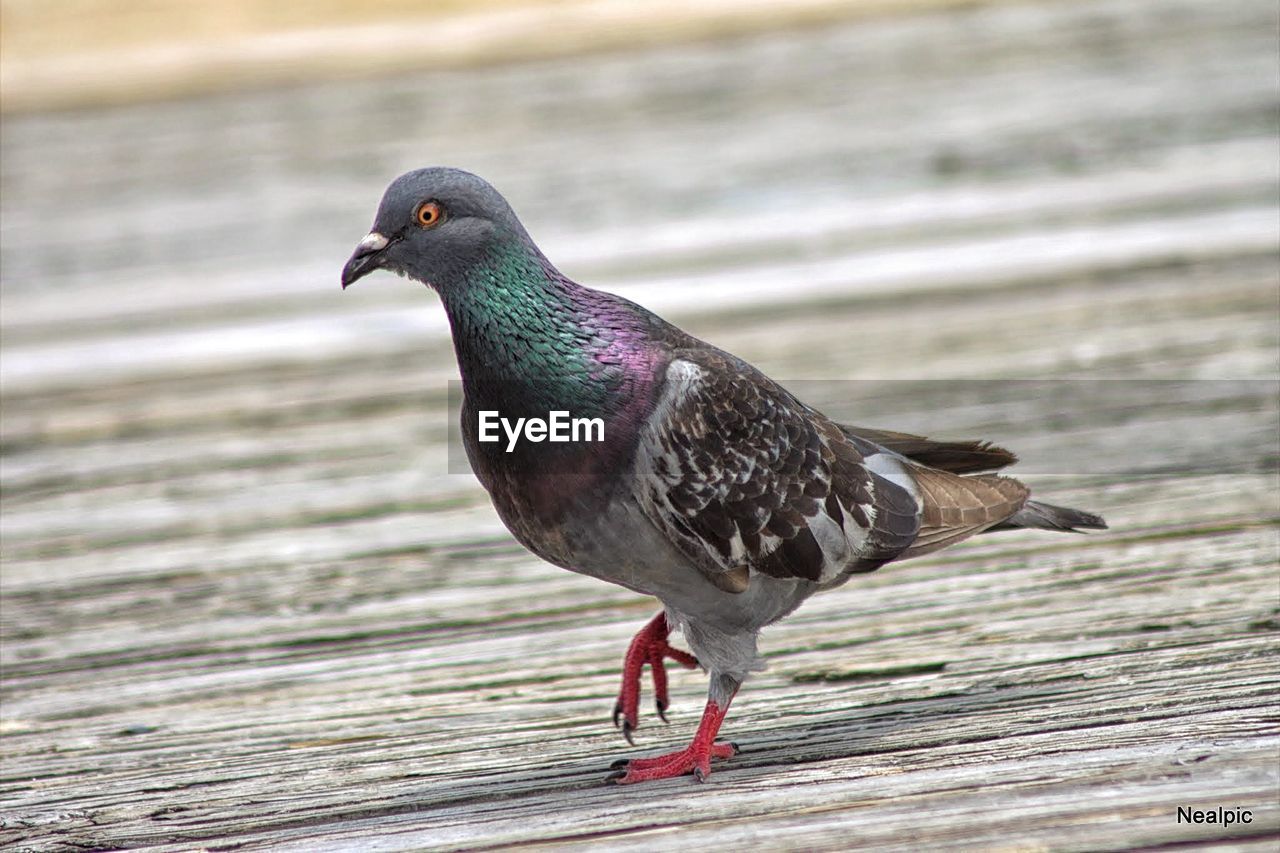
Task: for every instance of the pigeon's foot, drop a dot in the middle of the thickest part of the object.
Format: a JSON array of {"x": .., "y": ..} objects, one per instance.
[
  {"x": 649, "y": 646},
  {"x": 695, "y": 758},
  {"x": 691, "y": 759}
]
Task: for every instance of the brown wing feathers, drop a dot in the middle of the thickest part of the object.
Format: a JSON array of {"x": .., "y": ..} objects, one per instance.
[{"x": 956, "y": 507}]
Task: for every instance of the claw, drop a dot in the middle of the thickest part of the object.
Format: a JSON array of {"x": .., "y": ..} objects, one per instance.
[
  {"x": 620, "y": 764},
  {"x": 615, "y": 777},
  {"x": 648, "y": 648},
  {"x": 696, "y": 758},
  {"x": 626, "y": 732}
]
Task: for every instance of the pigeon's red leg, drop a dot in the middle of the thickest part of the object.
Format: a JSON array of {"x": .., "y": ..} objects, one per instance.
[
  {"x": 649, "y": 646},
  {"x": 695, "y": 758}
]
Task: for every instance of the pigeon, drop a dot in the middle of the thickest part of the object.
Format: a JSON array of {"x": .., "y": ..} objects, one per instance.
[{"x": 710, "y": 487}]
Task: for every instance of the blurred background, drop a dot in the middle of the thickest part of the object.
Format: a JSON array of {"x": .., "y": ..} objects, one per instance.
[
  {"x": 208, "y": 447},
  {"x": 893, "y": 190}
]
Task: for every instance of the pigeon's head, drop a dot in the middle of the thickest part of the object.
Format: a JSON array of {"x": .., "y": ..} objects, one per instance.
[{"x": 432, "y": 225}]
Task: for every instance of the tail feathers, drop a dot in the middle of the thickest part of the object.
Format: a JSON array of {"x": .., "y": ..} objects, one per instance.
[{"x": 1042, "y": 516}]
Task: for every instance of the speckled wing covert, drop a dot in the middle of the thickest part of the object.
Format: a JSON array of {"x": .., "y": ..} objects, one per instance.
[{"x": 744, "y": 478}]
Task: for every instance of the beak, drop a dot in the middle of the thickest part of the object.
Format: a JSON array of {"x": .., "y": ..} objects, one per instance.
[{"x": 364, "y": 259}]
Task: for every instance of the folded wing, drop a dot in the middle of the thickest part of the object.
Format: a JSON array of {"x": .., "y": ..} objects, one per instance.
[{"x": 744, "y": 479}]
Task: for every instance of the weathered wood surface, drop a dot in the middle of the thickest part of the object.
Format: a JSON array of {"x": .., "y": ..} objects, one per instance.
[{"x": 245, "y": 605}]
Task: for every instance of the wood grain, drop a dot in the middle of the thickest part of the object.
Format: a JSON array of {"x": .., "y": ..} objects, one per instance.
[{"x": 246, "y": 605}]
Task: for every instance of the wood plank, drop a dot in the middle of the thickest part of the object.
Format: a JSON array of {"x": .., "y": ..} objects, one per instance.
[{"x": 246, "y": 604}]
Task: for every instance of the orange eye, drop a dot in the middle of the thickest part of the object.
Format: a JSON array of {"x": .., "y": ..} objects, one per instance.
[{"x": 429, "y": 214}]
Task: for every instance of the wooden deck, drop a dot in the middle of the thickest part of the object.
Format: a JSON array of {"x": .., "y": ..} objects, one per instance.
[{"x": 245, "y": 604}]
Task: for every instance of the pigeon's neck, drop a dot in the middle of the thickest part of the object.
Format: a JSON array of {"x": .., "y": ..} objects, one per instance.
[{"x": 528, "y": 339}]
